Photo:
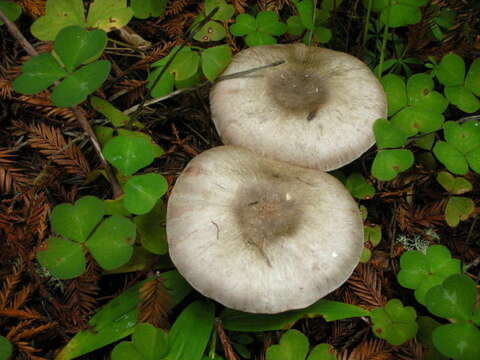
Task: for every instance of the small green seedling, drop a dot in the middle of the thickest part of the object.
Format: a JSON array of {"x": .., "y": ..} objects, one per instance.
[
  {"x": 455, "y": 299},
  {"x": 73, "y": 46},
  {"x": 421, "y": 272},
  {"x": 106, "y": 15},
  {"x": 187, "y": 339},
  {"x": 83, "y": 227},
  {"x": 184, "y": 69},
  {"x": 359, "y": 187},
  {"x": 260, "y": 30},
  {"x": 143, "y": 9},
  {"x": 5, "y": 348},
  {"x": 11, "y": 10},
  {"x": 453, "y": 184},
  {"x": 461, "y": 148},
  {"x": 295, "y": 346},
  {"x": 394, "y": 322},
  {"x": 372, "y": 236},
  {"x": 399, "y": 12},
  {"x": 213, "y": 30},
  {"x": 462, "y": 91}
]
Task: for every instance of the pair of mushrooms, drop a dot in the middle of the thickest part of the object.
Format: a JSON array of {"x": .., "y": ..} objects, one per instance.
[{"x": 259, "y": 226}]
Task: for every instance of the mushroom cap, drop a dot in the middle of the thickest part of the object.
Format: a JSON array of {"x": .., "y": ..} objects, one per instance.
[
  {"x": 259, "y": 235},
  {"x": 315, "y": 110}
]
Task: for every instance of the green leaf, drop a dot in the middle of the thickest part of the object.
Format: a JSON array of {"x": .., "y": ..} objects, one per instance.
[
  {"x": 75, "y": 45},
  {"x": 400, "y": 15},
  {"x": 225, "y": 11},
  {"x": 421, "y": 271},
  {"x": 455, "y": 298},
  {"x": 164, "y": 86},
  {"x": 143, "y": 9},
  {"x": 462, "y": 98},
  {"x": 157, "y": 150},
  {"x": 118, "y": 318},
  {"x": 473, "y": 158},
  {"x": 38, "y": 73},
  {"x": 293, "y": 346},
  {"x": 414, "y": 119},
  {"x": 425, "y": 142},
  {"x": 259, "y": 39},
  {"x": 458, "y": 341},
  {"x": 215, "y": 60},
  {"x": 420, "y": 93},
  {"x": 396, "y": 92},
  {"x": 185, "y": 64},
  {"x": 111, "y": 243},
  {"x": 322, "y": 352},
  {"x": 6, "y": 347},
  {"x": 129, "y": 153},
  {"x": 295, "y": 25},
  {"x": 359, "y": 187},
  {"x": 394, "y": 322},
  {"x": 452, "y": 158},
  {"x": 465, "y": 137},
  {"x": 268, "y": 23},
  {"x": 63, "y": 258},
  {"x": 143, "y": 191},
  {"x": 76, "y": 222},
  {"x": 305, "y": 10},
  {"x": 76, "y": 87},
  {"x": 472, "y": 81},
  {"x": 148, "y": 343},
  {"x": 126, "y": 351},
  {"x": 115, "y": 207},
  {"x": 190, "y": 333},
  {"x": 151, "y": 228},
  {"x": 388, "y": 163},
  {"x": 388, "y": 135},
  {"x": 331, "y": 310},
  {"x": 322, "y": 34},
  {"x": 109, "y": 15},
  {"x": 12, "y": 11},
  {"x": 366, "y": 255},
  {"x": 58, "y": 15},
  {"x": 426, "y": 326},
  {"x": 244, "y": 24},
  {"x": 373, "y": 234},
  {"x": 451, "y": 70},
  {"x": 454, "y": 185},
  {"x": 458, "y": 208},
  {"x": 116, "y": 117},
  {"x": 211, "y": 31}
]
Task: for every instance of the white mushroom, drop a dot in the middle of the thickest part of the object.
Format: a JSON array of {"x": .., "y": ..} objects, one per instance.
[
  {"x": 259, "y": 235},
  {"x": 315, "y": 110}
]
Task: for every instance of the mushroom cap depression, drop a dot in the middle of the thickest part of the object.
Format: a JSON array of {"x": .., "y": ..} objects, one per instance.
[
  {"x": 315, "y": 110},
  {"x": 259, "y": 235}
]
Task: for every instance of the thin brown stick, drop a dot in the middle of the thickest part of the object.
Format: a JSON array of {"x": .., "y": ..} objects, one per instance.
[{"x": 82, "y": 120}]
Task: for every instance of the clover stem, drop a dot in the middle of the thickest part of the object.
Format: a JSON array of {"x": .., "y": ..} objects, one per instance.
[{"x": 384, "y": 41}]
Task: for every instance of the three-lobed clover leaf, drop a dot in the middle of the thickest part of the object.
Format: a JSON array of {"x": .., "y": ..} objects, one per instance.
[
  {"x": 260, "y": 30},
  {"x": 421, "y": 272},
  {"x": 359, "y": 187},
  {"x": 458, "y": 208},
  {"x": 461, "y": 148},
  {"x": 143, "y": 191},
  {"x": 11, "y": 10},
  {"x": 106, "y": 15},
  {"x": 462, "y": 91},
  {"x": 148, "y": 343},
  {"x": 74, "y": 46},
  {"x": 394, "y": 322},
  {"x": 294, "y": 345},
  {"x": 399, "y": 12}
]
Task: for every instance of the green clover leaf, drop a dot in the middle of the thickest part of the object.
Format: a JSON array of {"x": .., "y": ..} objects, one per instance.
[
  {"x": 359, "y": 187},
  {"x": 389, "y": 163},
  {"x": 460, "y": 341},
  {"x": 111, "y": 245},
  {"x": 260, "y": 30},
  {"x": 63, "y": 258},
  {"x": 455, "y": 298},
  {"x": 373, "y": 234},
  {"x": 148, "y": 343},
  {"x": 421, "y": 272},
  {"x": 472, "y": 81},
  {"x": 294, "y": 346},
  {"x": 399, "y": 12},
  {"x": 143, "y": 9},
  {"x": 396, "y": 92},
  {"x": 215, "y": 60},
  {"x": 211, "y": 31},
  {"x": 387, "y": 135},
  {"x": 77, "y": 221},
  {"x": 11, "y": 10},
  {"x": 458, "y": 208},
  {"x": 394, "y": 322},
  {"x": 151, "y": 228},
  {"x": 453, "y": 184},
  {"x": 143, "y": 191},
  {"x": 451, "y": 70},
  {"x": 129, "y": 153},
  {"x": 109, "y": 15},
  {"x": 225, "y": 11}
]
